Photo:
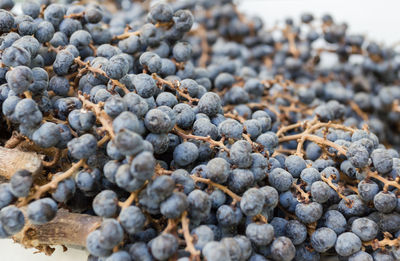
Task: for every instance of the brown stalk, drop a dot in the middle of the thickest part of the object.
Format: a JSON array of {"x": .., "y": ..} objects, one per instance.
[
  {"x": 132, "y": 197},
  {"x": 287, "y": 128},
  {"x": 299, "y": 150},
  {"x": 174, "y": 86},
  {"x": 328, "y": 181},
  {"x": 15, "y": 139},
  {"x": 208, "y": 139},
  {"x": 357, "y": 110},
  {"x": 126, "y": 35},
  {"x": 103, "y": 140},
  {"x": 101, "y": 115},
  {"x": 387, "y": 241},
  {"x": 235, "y": 116},
  {"x": 75, "y": 16},
  {"x": 316, "y": 139},
  {"x": 194, "y": 253},
  {"x": 387, "y": 183},
  {"x": 235, "y": 197},
  {"x": 304, "y": 196},
  {"x": 260, "y": 218},
  {"x": 54, "y": 161},
  {"x": 171, "y": 226},
  {"x": 40, "y": 190}
]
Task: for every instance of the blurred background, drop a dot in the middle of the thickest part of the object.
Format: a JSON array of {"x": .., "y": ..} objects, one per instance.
[{"x": 377, "y": 20}]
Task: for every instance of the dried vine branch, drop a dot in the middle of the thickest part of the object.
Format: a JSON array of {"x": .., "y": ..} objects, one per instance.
[
  {"x": 304, "y": 196},
  {"x": 213, "y": 143},
  {"x": 335, "y": 187},
  {"x": 386, "y": 183},
  {"x": 387, "y": 241},
  {"x": 235, "y": 197},
  {"x": 174, "y": 86},
  {"x": 40, "y": 190},
  {"x": 101, "y": 115},
  {"x": 194, "y": 253}
]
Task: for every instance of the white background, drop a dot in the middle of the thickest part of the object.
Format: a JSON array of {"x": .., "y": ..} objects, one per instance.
[{"x": 378, "y": 20}]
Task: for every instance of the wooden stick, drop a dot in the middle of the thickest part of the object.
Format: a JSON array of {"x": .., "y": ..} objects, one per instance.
[
  {"x": 65, "y": 229},
  {"x": 12, "y": 160}
]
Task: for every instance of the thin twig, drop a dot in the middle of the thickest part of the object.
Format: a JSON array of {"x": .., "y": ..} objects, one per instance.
[
  {"x": 235, "y": 197},
  {"x": 194, "y": 253}
]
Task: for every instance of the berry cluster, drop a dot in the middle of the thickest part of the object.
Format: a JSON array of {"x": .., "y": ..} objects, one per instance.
[{"x": 188, "y": 131}]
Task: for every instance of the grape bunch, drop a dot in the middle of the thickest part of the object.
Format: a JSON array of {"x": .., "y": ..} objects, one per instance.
[{"x": 189, "y": 131}]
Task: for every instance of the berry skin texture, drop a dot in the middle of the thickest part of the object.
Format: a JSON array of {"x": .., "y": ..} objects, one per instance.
[
  {"x": 252, "y": 202},
  {"x": 19, "y": 79},
  {"x": 214, "y": 251},
  {"x": 182, "y": 51},
  {"x": 367, "y": 190},
  {"x": 240, "y": 179},
  {"x": 357, "y": 208},
  {"x": 119, "y": 256},
  {"x": 144, "y": 85},
  {"x": 142, "y": 166},
  {"x": 260, "y": 234},
  {"x": 6, "y": 196},
  {"x": 230, "y": 129},
  {"x": 132, "y": 219},
  {"x": 20, "y": 183},
  {"x": 204, "y": 235},
  {"x": 335, "y": 220},
  {"x": 164, "y": 246},
  {"x": 323, "y": 239},
  {"x": 157, "y": 121},
  {"x": 364, "y": 228},
  {"x": 347, "y": 244},
  {"x": 295, "y": 165},
  {"x": 217, "y": 170},
  {"x": 82, "y": 147},
  {"x": 361, "y": 255},
  {"x": 12, "y": 219},
  {"x": 296, "y": 232},
  {"x": 47, "y": 136},
  {"x": 174, "y": 206},
  {"x": 111, "y": 233},
  {"x": 358, "y": 155},
  {"x": 282, "y": 249},
  {"x": 105, "y": 204},
  {"x": 385, "y": 202},
  {"x": 320, "y": 191},
  {"x": 382, "y": 161},
  {"x": 271, "y": 196},
  {"x": 235, "y": 252},
  {"x": 93, "y": 245},
  {"x": 65, "y": 189},
  {"x": 280, "y": 179},
  {"x": 42, "y": 211},
  {"x": 309, "y": 213},
  {"x": 240, "y": 154},
  {"x": 6, "y": 21},
  {"x": 128, "y": 142},
  {"x": 185, "y": 153},
  {"x": 209, "y": 104}
]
